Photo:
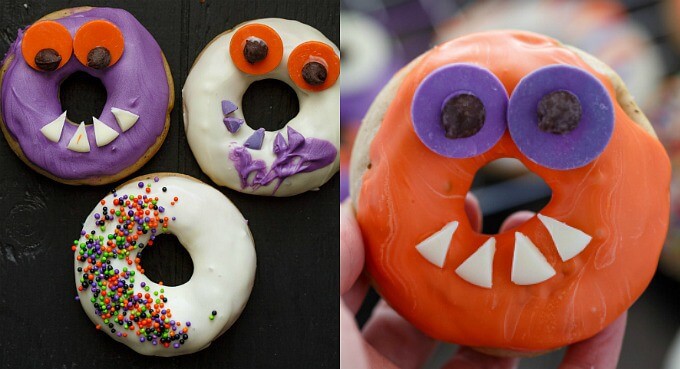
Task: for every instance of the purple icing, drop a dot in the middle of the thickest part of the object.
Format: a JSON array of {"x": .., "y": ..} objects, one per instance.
[
  {"x": 255, "y": 140},
  {"x": 298, "y": 155},
  {"x": 233, "y": 124},
  {"x": 228, "y": 107},
  {"x": 561, "y": 151},
  {"x": 445, "y": 83},
  {"x": 137, "y": 83}
]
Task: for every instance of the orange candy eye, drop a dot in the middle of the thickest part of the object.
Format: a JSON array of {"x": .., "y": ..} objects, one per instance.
[
  {"x": 256, "y": 49},
  {"x": 98, "y": 44},
  {"x": 47, "y": 46},
  {"x": 314, "y": 66}
]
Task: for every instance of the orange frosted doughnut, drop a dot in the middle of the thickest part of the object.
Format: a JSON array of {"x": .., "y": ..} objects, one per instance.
[{"x": 556, "y": 279}]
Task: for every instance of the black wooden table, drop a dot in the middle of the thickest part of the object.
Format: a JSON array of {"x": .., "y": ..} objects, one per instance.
[{"x": 291, "y": 319}]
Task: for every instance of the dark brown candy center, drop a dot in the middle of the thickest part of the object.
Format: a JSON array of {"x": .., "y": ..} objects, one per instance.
[
  {"x": 47, "y": 59},
  {"x": 98, "y": 58},
  {"x": 314, "y": 73},
  {"x": 463, "y": 116},
  {"x": 559, "y": 112},
  {"x": 255, "y": 51}
]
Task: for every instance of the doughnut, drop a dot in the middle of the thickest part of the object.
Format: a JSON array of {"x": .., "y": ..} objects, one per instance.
[
  {"x": 109, "y": 44},
  {"x": 369, "y": 61},
  {"x": 664, "y": 113},
  {"x": 567, "y": 272},
  {"x": 299, "y": 157},
  {"x": 147, "y": 316}
]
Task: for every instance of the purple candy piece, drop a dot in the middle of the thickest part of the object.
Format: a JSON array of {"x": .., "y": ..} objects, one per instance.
[
  {"x": 255, "y": 140},
  {"x": 561, "y": 151},
  {"x": 228, "y": 107},
  {"x": 298, "y": 155},
  {"x": 233, "y": 124},
  {"x": 445, "y": 83}
]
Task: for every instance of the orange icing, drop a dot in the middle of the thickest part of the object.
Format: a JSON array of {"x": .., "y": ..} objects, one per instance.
[{"x": 621, "y": 199}]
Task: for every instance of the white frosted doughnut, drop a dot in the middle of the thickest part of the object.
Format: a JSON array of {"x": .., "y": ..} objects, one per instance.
[
  {"x": 221, "y": 154},
  {"x": 213, "y": 232}
]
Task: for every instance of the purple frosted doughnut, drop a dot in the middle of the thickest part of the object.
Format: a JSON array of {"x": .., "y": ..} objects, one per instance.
[
  {"x": 446, "y": 83},
  {"x": 138, "y": 83},
  {"x": 569, "y": 150}
]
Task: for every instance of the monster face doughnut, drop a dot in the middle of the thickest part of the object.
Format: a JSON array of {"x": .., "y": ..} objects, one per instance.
[
  {"x": 149, "y": 317},
  {"x": 299, "y": 157},
  {"x": 109, "y": 44},
  {"x": 563, "y": 275}
]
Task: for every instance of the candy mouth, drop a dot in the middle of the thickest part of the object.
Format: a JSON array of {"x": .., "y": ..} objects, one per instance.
[
  {"x": 103, "y": 133},
  {"x": 529, "y": 265}
]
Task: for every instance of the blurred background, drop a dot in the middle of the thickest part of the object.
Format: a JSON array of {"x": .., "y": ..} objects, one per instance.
[{"x": 640, "y": 39}]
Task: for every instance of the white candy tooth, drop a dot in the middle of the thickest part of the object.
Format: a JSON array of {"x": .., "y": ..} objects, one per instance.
[
  {"x": 103, "y": 134},
  {"x": 568, "y": 240},
  {"x": 53, "y": 129},
  {"x": 79, "y": 142},
  {"x": 478, "y": 267},
  {"x": 124, "y": 118},
  {"x": 435, "y": 247},
  {"x": 529, "y": 266}
]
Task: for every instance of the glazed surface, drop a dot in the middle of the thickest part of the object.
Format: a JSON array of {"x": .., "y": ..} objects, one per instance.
[
  {"x": 409, "y": 193},
  {"x": 217, "y": 238},
  {"x": 137, "y": 83},
  {"x": 221, "y": 154}
]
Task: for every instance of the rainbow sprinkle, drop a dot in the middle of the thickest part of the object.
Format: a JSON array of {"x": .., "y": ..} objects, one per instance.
[{"x": 113, "y": 291}]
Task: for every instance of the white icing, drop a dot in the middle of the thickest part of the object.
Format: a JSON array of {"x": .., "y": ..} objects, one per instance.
[
  {"x": 79, "y": 141},
  {"x": 478, "y": 267},
  {"x": 124, "y": 118},
  {"x": 529, "y": 266},
  {"x": 53, "y": 129},
  {"x": 103, "y": 134},
  {"x": 435, "y": 247},
  {"x": 221, "y": 249},
  {"x": 369, "y": 50},
  {"x": 568, "y": 240},
  {"x": 214, "y": 78}
]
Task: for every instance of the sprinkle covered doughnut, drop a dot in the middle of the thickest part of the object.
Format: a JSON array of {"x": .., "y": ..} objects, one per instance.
[
  {"x": 150, "y": 318},
  {"x": 563, "y": 275},
  {"x": 299, "y": 157},
  {"x": 109, "y": 44}
]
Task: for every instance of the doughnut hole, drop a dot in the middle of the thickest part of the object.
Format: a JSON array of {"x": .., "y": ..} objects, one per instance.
[
  {"x": 505, "y": 186},
  {"x": 269, "y": 104},
  {"x": 82, "y": 96},
  {"x": 167, "y": 261}
]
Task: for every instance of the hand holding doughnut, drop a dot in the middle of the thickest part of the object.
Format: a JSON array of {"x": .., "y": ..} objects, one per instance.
[
  {"x": 389, "y": 341},
  {"x": 561, "y": 276}
]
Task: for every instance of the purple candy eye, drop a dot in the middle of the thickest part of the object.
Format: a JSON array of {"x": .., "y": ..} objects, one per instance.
[
  {"x": 561, "y": 117},
  {"x": 458, "y": 111}
]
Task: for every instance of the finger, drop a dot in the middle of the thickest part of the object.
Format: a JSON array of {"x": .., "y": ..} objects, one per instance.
[
  {"x": 353, "y": 352},
  {"x": 356, "y": 294},
  {"x": 396, "y": 339},
  {"x": 473, "y": 211},
  {"x": 600, "y": 351},
  {"x": 351, "y": 248},
  {"x": 516, "y": 219},
  {"x": 467, "y": 358}
]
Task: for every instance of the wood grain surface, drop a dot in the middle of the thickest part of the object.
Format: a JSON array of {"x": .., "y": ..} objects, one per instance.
[{"x": 291, "y": 319}]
